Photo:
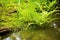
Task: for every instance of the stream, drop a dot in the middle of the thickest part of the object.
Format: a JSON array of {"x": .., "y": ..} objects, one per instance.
[
  {"x": 42, "y": 34},
  {"x": 13, "y": 36}
]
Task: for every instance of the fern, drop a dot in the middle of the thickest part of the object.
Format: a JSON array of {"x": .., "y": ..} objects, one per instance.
[{"x": 28, "y": 12}]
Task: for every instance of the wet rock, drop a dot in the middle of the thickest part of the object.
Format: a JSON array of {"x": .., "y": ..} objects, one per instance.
[{"x": 4, "y": 31}]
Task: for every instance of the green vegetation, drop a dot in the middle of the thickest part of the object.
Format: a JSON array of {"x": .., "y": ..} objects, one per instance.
[
  {"x": 26, "y": 12},
  {"x": 34, "y": 17}
]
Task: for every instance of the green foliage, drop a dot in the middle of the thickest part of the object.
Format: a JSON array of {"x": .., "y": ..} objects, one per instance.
[
  {"x": 7, "y": 17},
  {"x": 38, "y": 11},
  {"x": 28, "y": 12}
]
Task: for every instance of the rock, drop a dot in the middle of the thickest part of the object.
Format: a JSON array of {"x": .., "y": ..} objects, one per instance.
[{"x": 4, "y": 31}]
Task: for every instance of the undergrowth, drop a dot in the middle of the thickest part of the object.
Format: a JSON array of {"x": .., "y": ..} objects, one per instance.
[{"x": 23, "y": 13}]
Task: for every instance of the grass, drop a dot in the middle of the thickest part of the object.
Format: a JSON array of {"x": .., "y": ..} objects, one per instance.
[{"x": 28, "y": 12}]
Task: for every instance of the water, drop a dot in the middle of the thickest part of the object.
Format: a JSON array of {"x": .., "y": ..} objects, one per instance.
[
  {"x": 8, "y": 38},
  {"x": 13, "y": 36},
  {"x": 42, "y": 34}
]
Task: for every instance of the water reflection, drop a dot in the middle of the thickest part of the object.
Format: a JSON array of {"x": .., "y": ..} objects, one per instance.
[
  {"x": 14, "y": 36},
  {"x": 42, "y": 34},
  {"x": 8, "y": 38},
  {"x": 55, "y": 26},
  {"x": 17, "y": 36}
]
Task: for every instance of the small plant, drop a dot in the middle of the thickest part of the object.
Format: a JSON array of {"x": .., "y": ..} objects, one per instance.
[
  {"x": 27, "y": 12},
  {"x": 38, "y": 12}
]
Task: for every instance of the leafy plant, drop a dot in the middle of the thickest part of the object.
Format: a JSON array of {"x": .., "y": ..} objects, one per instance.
[
  {"x": 27, "y": 12},
  {"x": 38, "y": 12}
]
